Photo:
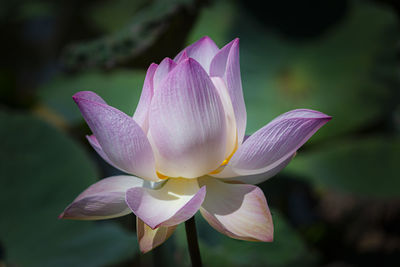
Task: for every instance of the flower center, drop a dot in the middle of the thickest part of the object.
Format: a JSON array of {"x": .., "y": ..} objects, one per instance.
[
  {"x": 226, "y": 161},
  {"x": 216, "y": 171},
  {"x": 161, "y": 176}
]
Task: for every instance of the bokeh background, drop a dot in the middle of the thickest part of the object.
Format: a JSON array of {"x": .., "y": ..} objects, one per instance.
[{"x": 336, "y": 204}]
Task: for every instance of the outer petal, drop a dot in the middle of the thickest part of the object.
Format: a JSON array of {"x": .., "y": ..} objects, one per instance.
[
  {"x": 273, "y": 144},
  {"x": 252, "y": 179},
  {"x": 102, "y": 200},
  {"x": 122, "y": 140},
  {"x": 181, "y": 57},
  {"x": 162, "y": 71},
  {"x": 226, "y": 65},
  {"x": 187, "y": 123},
  {"x": 175, "y": 202},
  {"x": 141, "y": 115},
  {"x": 237, "y": 210},
  {"x": 202, "y": 51},
  {"x": 231, "y": 132},
  {"x": 96, "y": 146},
  {"x": 149, "y": 238}
]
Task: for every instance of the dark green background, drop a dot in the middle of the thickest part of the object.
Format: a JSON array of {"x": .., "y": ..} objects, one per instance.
[{"x": 336, "y": 204}]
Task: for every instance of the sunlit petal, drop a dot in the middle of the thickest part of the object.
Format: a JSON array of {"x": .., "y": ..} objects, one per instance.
[
  {"x": 237, "y": 210},
  {"x": 187, "y": 123},
  {"x": 175, "y": 202}
]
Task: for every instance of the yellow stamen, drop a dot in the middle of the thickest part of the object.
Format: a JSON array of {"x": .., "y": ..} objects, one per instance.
[
  {"x": 161, "y": 176},
  {"x": 225, "y": 162},
  {"x": 216, "y": 171}
]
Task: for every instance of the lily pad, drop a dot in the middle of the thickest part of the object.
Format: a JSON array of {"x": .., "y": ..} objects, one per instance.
[
  {"x": 120, "y": 89},
  {"x": 42, "y": 171},
  {"x": 368, "y": 167}
]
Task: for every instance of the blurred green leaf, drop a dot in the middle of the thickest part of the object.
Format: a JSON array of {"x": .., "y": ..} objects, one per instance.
[
  {"x": 42, "y": 171},
  {"x": 368, "y": 166},
  {"x": 109, "y": 16},
  {"x": 216, "y": 249},
  {"x": 147, "y": 24},
  {"x": 212, "y": 24},
  {"x": 120, "y": 89},
  {"x": 350, "y": 72}
]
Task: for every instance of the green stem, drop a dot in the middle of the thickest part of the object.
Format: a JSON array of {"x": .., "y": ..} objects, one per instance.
[{"x": 193, "y": 244}]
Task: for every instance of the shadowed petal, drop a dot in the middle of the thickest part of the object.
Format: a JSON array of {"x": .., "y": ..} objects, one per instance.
[
  {"x": 149, "y": 238},
  {"x": 226, "y": 65},
  {"x": 120, "y": 137},
  {"x": 187, "y": 123},
  {"x": 96, "y": 146},
  {"x": 102, "y": 200},
  {"x": 275, "y": 143},
  {"x": 237, "y": 210},
  {"x": 141, "y": 115},
  {"x": 202, "y": 51},
  {"x": 175, "y": 202}
]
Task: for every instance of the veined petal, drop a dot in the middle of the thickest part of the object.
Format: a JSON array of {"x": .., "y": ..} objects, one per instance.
[
  {"x": 181, "y": 57},
  {"x": 187, "y": 123},
  {"x": 218, "y": 63},
  {"x": 175, "y": 202},
  {"x": 96, "y": 146},
  {"x": 231, "y": 141},
  {"x": 102, "y": 200},
  {"x": 149, "y": 238},
  {"x": 141, "y": 115},
  {"x": 162, "y": 71},
  {"x": 237, "y": 210},
  {"x": 202, "y": 51},
  {"x": 229, "y": 175},
  {"x": 273, "y": 144},
  {"x": 226, "y": 65},
  {"x": 120, "y": 137}
]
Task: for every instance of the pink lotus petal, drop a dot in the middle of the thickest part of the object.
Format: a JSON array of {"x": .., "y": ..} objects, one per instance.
[
  {"x": 149, "y": 238},
  {"x": 96, "y": 146},
  {"x": 162, "y": 71},
  {"x": 121, "y": 138},
  {"x": 102, "y": 200},
  {"x": 237, "y": 210},
  {"x": 141, "y": 115},
  {"x": 231, "y": 139},
  {"x": 251, "y": 179},
  {"x": 226, "y": 65},
  {"x": 202, "y": 51},
  {"x": 181, "y": 57},
  {"x": 218, "y": 63},
  {"x": 187, "y": 123},
  {"x": 273, "y": 144},
  {"x": 175, "y": 202}
]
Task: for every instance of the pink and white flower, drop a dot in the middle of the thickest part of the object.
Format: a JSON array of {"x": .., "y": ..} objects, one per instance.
[{"x": 184, "y": 150}]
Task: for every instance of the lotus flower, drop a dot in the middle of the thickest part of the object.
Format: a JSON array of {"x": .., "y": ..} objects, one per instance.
[{"x": 185, "y": 150}]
